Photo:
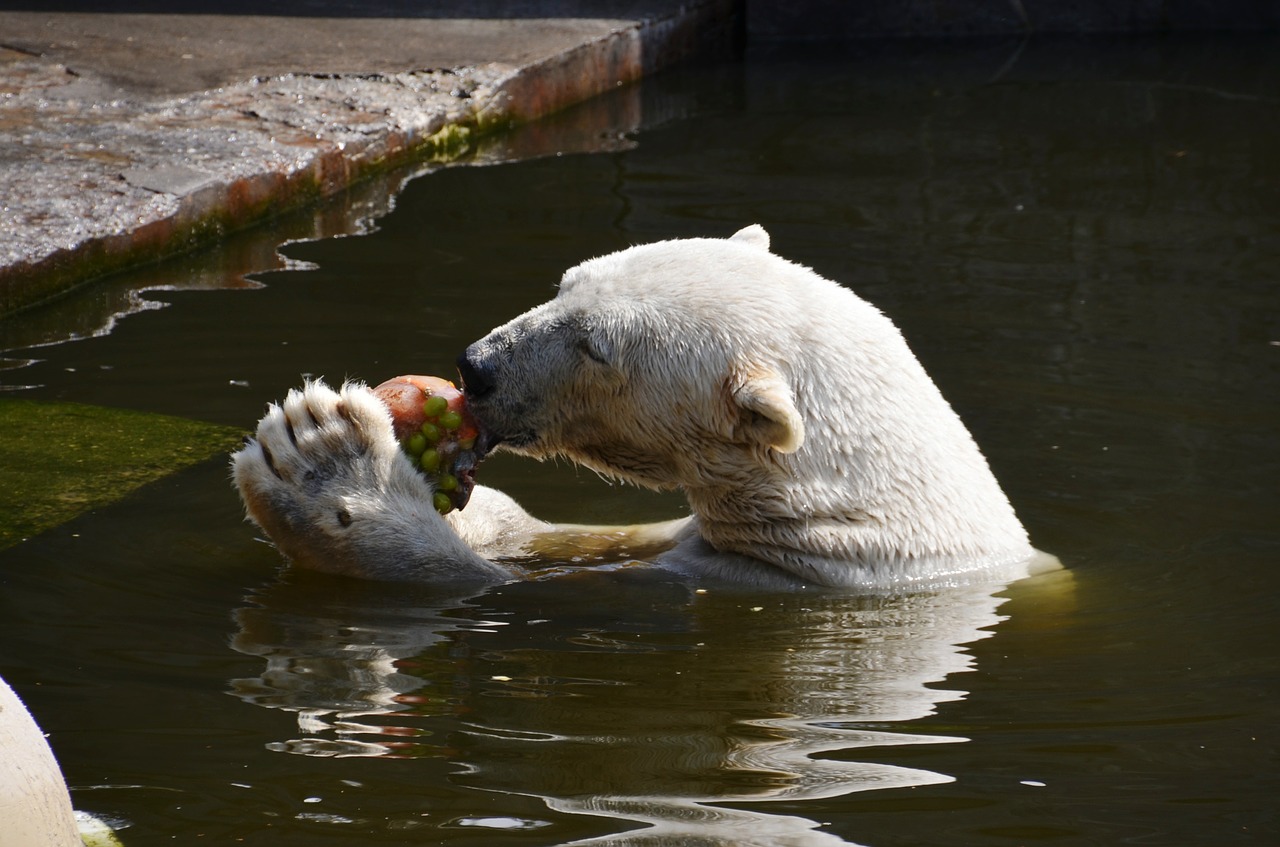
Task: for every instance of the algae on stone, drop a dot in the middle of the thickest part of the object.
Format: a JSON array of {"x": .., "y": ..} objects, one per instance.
[{"x": 59, "y": 459}]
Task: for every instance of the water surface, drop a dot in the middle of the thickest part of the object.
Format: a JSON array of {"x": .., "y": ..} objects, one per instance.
[{"x": 1080, "y": 240}]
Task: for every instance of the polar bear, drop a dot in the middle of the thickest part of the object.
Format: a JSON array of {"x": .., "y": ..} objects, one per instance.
[{"x": 811, "y": 445}]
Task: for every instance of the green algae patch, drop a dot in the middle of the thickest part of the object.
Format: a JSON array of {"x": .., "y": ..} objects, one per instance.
[{"x": 58, "y": 460}]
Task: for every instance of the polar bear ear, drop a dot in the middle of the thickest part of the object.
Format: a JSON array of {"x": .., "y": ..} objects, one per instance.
[
  {"x": 766, "y": 410},
  {"x": 753, "y": 235}
]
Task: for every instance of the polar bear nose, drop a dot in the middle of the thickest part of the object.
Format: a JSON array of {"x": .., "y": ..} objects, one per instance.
[{"x": 477, "y": 374}]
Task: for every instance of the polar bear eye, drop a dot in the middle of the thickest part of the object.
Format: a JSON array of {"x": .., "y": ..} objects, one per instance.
[{"x": 594, "y": 350}]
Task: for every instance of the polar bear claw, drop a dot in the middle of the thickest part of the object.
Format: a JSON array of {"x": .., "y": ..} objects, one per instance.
[{"x": 325, "y": 478}]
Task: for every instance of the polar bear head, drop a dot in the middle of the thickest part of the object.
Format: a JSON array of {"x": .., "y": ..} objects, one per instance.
[
  {"x": 790, "y": 411},
  {"x": 656, "y": 365}
]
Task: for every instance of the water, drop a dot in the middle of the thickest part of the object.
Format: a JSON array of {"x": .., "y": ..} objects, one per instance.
[{"x": 1081, "y": 242}]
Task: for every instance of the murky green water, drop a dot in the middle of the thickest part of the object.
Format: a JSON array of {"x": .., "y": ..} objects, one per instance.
[{"x": 1082, "y": 243}]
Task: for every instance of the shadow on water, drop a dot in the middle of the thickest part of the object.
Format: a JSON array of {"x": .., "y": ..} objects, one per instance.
[{"x": 1078, "y": 238}]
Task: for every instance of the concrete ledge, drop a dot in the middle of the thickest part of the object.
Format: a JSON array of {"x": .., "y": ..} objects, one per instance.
[{"x": 99, "y": 176}]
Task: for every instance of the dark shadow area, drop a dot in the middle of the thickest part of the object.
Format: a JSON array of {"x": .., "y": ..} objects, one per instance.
[{"x": 1209, "y": 61}]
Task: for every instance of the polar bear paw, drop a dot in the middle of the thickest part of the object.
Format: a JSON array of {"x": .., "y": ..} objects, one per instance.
[{"x": 325, "y": 478}]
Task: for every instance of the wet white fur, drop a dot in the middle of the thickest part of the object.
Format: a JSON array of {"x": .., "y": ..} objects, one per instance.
[{"x": 809, "y": 441}]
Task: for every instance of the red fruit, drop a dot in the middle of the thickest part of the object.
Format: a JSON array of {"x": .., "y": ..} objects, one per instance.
[
  {"x": 450, "y": 432},
  {"x": 405, "y": 395}
]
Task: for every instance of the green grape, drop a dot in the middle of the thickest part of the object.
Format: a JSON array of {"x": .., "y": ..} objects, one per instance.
[
  {"x": 466, "y": 443},
  {"x": 430, "y": 460},
  {"x": 447, "y": 482},
  {"x": 431, "y": 432},
  {"x": 442, "y": 503},
  {"x": 434, "y": 406},
  {"x": 450, "y": 420},
  {"x": 415, "y": 444}
]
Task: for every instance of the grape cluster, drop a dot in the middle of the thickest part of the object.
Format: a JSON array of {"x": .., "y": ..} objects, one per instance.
[
  {"x": 436, "y": 434},
  {"x": 436, "y": 445}
]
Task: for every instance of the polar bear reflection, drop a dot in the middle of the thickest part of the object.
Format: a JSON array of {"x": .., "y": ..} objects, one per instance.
[{"x": 619, "y": 695}]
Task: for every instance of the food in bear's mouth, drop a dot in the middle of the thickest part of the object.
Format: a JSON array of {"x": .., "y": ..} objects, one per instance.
[{"x": 436, "y": 432}]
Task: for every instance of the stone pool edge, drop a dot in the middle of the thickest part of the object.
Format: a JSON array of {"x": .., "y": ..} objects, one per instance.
[{"x": 287, "y": 150}]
